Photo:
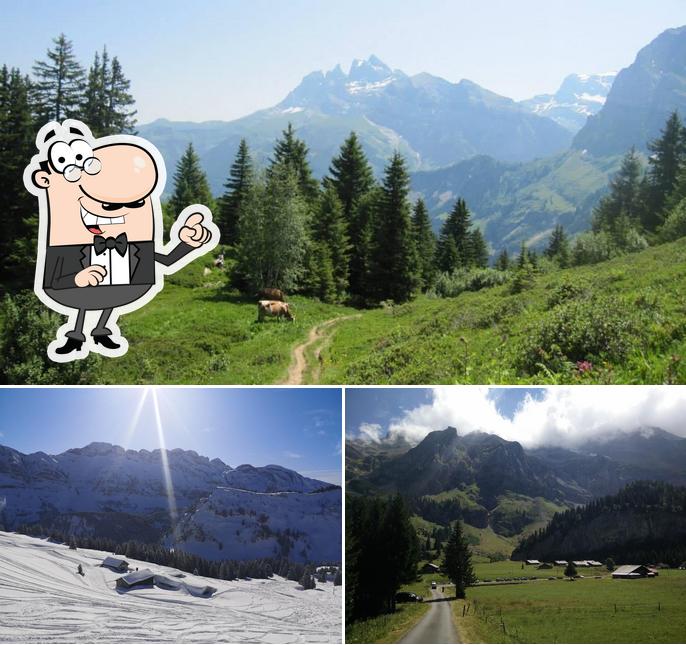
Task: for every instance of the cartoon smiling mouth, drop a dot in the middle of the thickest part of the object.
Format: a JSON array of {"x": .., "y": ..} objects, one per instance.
[{"x": 92, "y": 222}]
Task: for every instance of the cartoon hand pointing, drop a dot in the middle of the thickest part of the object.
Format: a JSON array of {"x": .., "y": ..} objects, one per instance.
[{"x": 193, "y": 232}]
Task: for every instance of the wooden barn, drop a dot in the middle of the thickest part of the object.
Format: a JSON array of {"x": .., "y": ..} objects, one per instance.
[
  {"x": 533, "y": 562},
  {"x": 142, "y": 578},
  {"x": 115, "y": 563},
  {"x": 633, "y": 571},
  {"x": 430, "y": 567},
  {"x": 561, "y": 563},
  {"x": 545, "y": 565}
]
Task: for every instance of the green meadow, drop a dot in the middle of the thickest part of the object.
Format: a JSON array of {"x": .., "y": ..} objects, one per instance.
[
  {"x": 626, "y": 317},
  {"x": 586, "y": 610}
]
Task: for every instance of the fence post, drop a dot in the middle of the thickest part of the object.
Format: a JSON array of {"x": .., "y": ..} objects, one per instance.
[
  {"x": 659, "y": 606},
  {"x": 615, "y": 608},
  {"x": 502, "y": 624}
]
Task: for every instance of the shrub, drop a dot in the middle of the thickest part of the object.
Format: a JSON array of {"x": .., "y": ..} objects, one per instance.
[
  {"x": 579, "y": 330},
  {"x": 449, "y": 285},
  {"x": 591, "y": 248},
  {"x": 28, "y": 327},
  {"x": 566, "y": 291},
  {"x": 675, "y": 224}
]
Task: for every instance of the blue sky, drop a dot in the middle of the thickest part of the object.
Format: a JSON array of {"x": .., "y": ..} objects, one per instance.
[
  {"x": 296, "y": 428},
  {"x": 224, "y": 59}
]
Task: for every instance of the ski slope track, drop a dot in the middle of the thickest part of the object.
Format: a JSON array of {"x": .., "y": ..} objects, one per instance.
[{"x": 44, "y": 599}]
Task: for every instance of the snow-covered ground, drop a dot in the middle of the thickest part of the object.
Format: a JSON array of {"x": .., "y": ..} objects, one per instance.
[{"x": 44, "y": 599}]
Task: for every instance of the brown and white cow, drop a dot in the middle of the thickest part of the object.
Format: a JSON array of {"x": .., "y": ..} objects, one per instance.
[
  {"x": 269, "y": 293},
  {"x": 273, "y": 308}
]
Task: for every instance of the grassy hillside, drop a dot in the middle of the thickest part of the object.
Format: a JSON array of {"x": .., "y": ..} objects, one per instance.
[
  {"x": 583, "y": 611},
  {"x": 199, "y": 331},
  {"x": 626, "y": 316}
]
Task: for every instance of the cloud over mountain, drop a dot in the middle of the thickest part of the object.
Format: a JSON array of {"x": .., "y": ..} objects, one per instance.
[{"x": 563, "y": 416}]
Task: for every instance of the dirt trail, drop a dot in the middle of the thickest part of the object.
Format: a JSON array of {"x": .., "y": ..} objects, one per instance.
[{"x": 298, "y": 366}]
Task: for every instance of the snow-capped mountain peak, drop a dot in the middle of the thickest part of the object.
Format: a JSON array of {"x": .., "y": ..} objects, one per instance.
[{"x": 578, "y": 97}]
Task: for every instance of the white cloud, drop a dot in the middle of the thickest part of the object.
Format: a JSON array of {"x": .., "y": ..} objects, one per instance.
[
  {"x": 563, "y": 416},
  {"x": 292, "y": 455},
  {"x": 370, "y": 433}
]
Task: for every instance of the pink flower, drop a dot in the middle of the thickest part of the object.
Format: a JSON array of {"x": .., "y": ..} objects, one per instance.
[{"x": 584, "y": 366}]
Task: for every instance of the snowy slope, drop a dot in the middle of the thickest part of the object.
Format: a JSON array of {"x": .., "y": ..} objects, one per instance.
[
  {"x": 43, "y": 599},
  {"x": 250, "y": 525}
]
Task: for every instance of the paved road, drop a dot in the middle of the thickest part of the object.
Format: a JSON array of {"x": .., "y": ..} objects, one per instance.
[{"x": 437, "y": 626}]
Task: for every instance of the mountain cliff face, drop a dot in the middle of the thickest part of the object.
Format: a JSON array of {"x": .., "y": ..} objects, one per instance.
[
  {"x": 105, "y": 490},
  {"x": 431, "y": 121},
  {"x": 579, "y": 96},
  {"x": 642, "y": 97},
  {"x": 100, "y": 478},
  {"x": 445, "y": 460},
  {"x": 489, "y": 482}
]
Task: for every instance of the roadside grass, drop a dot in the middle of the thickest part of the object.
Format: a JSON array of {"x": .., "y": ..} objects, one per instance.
[
  {"x": 582, "y": 611},
  {"x": 387, "y": 628},
  {"x": 198, "y": 331},
  {"x": 390, "y": 628},
  {"x": 633, "y": 308}
]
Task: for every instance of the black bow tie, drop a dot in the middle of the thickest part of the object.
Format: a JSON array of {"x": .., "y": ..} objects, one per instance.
[{"x": 120, "y": 243}]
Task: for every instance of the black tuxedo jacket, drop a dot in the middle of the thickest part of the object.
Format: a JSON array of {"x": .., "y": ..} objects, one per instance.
[{"x": 62, "y": 263}]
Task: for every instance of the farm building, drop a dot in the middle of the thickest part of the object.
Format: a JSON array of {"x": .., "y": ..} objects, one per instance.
[
  {"x": 594, "y": 563},
  {"x": 430, "y": 567},
  {"x": 533, "y": 562},
  {"x": 632, "y": 571},
  {"x": 545, "y": 565},
  {"x": 115, "y": 563},
  {"x": 580, "y": 563},
  {"x": 561, "y": 563},
  {"x": 142, "y": 578}
]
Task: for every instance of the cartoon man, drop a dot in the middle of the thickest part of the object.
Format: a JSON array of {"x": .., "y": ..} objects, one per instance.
[{"x": 100, "y": 234}]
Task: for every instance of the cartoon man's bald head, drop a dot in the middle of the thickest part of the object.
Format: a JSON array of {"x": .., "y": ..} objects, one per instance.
[{"x": 95, "y": 190}]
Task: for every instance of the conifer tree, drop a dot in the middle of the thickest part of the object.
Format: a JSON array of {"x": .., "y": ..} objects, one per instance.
[
  {"x": 479, "y": 249},
  {"x": 502, "y": 262},
  {"x": 190, "y": 183},
  {"x": 292, "y": 152},
  {"x": 329, "y": 230},
  {"x": 107, "y": 103},
  {"x": 624, "y": 205},
  {"x": 351, "y": 175},
  {"x": 18, "y": 219},
  {"x": 425, "y": 243},
  {"x": 668, "y": 154},
  {"x": 361, "y": 278},
  {"x": 394, "y": 255},
  {"x": 237, "y": 185},
  {"x": 558, "y": 247},
  {"x": 458, "y": 245},
  {"x": 58, "y": 89},
  {"x": 458, "y": 561}
]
